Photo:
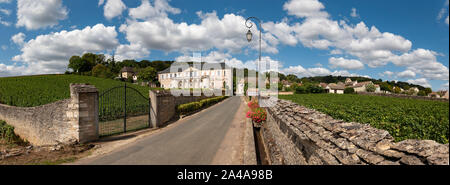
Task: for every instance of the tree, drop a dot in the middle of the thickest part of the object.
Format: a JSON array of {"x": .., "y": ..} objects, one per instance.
[
  {"x": 292, "y": 78},
  {"x": 397, "y": 90},
  {"x": 370, "y": 88},
  {"x": 75, "y": 63},
  {"x": 148, "y": 74},
  {"x": 301, "y": 90},
  {"x": 428, "y": 91},
  {"x": 315, "y": 89},
  {"x": 349, "y": 90},
  {"x": 422, "y": 93},
  {"x": 102, "y": 71},
  {"x": 384, "y": 86}
]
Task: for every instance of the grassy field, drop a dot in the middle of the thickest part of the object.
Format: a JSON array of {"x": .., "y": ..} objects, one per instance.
[
  {"x": 402, "y": 118},
  {"x": 30, "y": 91}
]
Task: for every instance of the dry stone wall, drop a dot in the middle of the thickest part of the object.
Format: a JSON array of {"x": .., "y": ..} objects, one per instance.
[
  {"x": 163, "y": 105},
  {"x": 304, "y": 136},
  {"x": 63, "y": 122}
]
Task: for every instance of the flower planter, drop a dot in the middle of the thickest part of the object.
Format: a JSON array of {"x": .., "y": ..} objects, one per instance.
[{"x": 257, "y": 125}]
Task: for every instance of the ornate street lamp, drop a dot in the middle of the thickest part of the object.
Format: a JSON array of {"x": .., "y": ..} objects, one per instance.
[{"x": 249, "y": 36}]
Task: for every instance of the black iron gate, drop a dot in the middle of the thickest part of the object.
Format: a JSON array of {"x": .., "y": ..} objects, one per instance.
[{"x": 123, "y": 109}]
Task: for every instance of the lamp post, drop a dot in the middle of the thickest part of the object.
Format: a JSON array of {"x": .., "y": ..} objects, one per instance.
[{"x": 249, "y": 39}]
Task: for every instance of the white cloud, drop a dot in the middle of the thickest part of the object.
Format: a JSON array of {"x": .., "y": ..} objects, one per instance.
[
  {"x": 354, "y": 13},
  {"x": 349, "y": 64},
  {"x": 40, "y": 13},
  {"x": 387, "y": 73},
  {"x": 407, "y": 74},
  {"x": 162, "y": 33},
  {"x": 5, "y": 11},
  {"x": 131, "y": 52},
  {"x": 446, "y": 20},
  {"x": 443, "y": 10},
  {"x": 423, "y": 62},
  {"x": 5, "y": 1},
  {"x": 147, "y": 10},
  {"x": 420, "y": 81},
  {"x": 112, "y": 8},
  {"x": 50, "y": 53},
  {"x": 18, "y": 39},
  {"x": 305, "y": 8},
  {"x": 5, "y": 23},
  {"x": 318, "y": 71}
]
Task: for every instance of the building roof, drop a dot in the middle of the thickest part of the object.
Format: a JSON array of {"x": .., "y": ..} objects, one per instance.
[
  {"x": 127, "y": 69},
  {"x": 334, "y": 86},
  {"x": 360, "y": 84},
  {"x": 203, "y": 65},
  {"x": 323, "y": 85}
]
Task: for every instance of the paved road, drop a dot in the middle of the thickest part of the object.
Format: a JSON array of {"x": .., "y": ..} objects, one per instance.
[{"x": 195, "y": 141}]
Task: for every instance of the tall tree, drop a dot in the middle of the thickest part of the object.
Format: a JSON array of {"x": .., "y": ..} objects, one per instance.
[
  {"x": 75, "y": 63},
  {"x": 148, "y": 74}
]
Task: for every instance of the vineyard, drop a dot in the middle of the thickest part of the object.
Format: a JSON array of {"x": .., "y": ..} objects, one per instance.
[
  {"x": 30, "y": 91},
  {"x": 402, "y": 118}
]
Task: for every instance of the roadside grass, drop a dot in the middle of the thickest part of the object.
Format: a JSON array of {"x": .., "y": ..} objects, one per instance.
[{"x": 402, "y": 118}]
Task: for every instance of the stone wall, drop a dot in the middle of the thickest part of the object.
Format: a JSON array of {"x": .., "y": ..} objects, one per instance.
[
  {"x": 163, "y": 105},
  {"x": 66, "y": 121},
  {"x": 298, "y": 135},
  {"x": 404, "y": 96}
]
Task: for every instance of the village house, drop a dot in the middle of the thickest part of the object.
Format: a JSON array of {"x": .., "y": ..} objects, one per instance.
[
  {"x": 128, "y": 72},
  {"x": 434, "y": 95},
  {"x": 192, "y": 77},
  {"x": 349, "y": 82},
  {"x": 445, "y": 95},
  {"x": 333, "y": 88}
]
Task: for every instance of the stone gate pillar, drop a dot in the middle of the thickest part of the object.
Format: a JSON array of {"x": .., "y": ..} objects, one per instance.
[{"x": 84, "y": 111}]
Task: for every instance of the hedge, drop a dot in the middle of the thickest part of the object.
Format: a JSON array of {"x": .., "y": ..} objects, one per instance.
[{"x": 193, "y": 106}]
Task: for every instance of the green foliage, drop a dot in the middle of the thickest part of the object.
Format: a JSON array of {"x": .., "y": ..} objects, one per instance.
[
  {"x": 428, "y": 91},
  {"x": 402, "y": 118},
  {"x": 370, "y": 88},
  {"x": 7, "y": 134},
  {"x": 309, "y": 88},
  {"x": 384, "y": 86},
  {"x": 422, "y": 93},
  {"x": 102, "y": 71},
  {"x": 30, "y": 91},
  {"x": 397, "y": 90},
  {"x": 188, "y": 107},
  {"x": 148, "y": 74},
  {"x": 349, "y": 90},
  {"x": 193, "y": 106},
  {"x": 301, "y": 90}
]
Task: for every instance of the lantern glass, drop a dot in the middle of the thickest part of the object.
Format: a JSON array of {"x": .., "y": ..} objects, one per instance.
[{"x": 249, "y": 36}]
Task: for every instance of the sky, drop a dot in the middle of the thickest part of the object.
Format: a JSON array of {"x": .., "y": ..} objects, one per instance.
[{"x": 404, "y": 40}]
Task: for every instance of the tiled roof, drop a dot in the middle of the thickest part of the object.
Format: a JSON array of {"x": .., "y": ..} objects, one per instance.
[{"x": 204, "y": 65}]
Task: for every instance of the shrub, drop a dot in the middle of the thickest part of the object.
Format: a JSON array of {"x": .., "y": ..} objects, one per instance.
[
  {"x": 315, "y": 89},
  {"x": 193, "y": 106},
  {"x": 349, "y": 90},
  {"x": 301, "y": 90},
  {"x": 370, "y": 88},
  {"x": 7, "y": 133},
  {"x": 189, "y": 107}
]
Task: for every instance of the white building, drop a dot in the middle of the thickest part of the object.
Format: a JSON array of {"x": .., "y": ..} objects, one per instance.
[{"x": 209, "y": 76}]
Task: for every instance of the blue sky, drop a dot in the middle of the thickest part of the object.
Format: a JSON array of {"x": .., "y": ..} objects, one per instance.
[{"x": 406, "y": 40}]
